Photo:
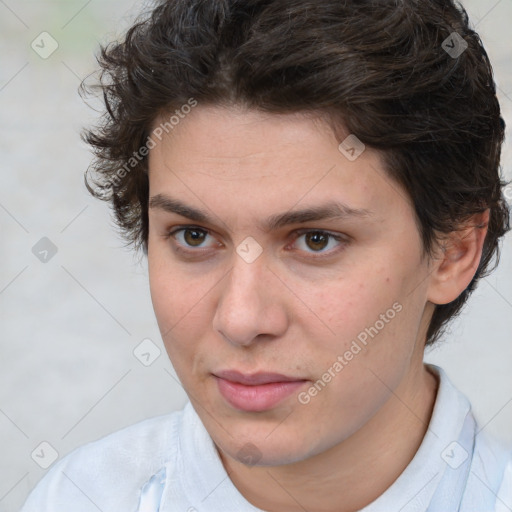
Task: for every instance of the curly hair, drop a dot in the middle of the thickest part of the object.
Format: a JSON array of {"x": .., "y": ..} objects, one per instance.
[{"x": 381, "y": 70}]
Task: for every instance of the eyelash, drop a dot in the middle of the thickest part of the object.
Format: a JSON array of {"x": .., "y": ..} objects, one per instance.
[{"x": 297, "y": 234}]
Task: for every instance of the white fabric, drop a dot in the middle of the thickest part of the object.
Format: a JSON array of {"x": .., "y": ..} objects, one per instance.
[{"x": 170, "y": 464}]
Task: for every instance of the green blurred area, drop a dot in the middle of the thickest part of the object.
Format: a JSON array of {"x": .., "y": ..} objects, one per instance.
[{"x": 77, "y": 25}]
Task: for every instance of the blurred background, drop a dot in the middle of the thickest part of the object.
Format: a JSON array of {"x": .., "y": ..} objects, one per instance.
[{"x": 75, "y": 304}]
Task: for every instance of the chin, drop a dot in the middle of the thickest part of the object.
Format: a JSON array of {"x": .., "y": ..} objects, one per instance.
[{"x": 261, "y": 450}]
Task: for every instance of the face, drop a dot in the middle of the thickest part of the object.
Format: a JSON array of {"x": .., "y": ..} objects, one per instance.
[{"x": 270, "y": 252}]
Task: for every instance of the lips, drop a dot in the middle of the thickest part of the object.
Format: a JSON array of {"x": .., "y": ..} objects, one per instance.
[
  {"x": 256, "y": 392},
  {"x": 256, "y": 378}
]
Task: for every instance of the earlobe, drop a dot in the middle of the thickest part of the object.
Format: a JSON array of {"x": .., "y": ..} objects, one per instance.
[{"x": 457, "y": 260}]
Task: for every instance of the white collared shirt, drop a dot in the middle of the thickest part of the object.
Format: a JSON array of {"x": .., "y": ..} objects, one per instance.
[{"x": 170, "y": 464}]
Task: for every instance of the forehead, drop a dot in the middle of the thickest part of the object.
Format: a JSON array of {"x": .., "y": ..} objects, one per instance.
[{"x": 236, "y": 156}]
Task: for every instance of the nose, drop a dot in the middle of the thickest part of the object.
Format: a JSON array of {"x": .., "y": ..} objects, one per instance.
[{"x": 249, "y": 305}]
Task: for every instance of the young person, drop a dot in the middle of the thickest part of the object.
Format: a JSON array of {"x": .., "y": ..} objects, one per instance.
[{"x": 316, "y": 186}]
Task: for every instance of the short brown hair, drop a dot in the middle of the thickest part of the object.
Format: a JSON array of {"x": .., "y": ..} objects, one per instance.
[{"x": 376, "y": 68}]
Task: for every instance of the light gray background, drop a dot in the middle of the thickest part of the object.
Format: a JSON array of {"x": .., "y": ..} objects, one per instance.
[{"x": 69, "y": 326}]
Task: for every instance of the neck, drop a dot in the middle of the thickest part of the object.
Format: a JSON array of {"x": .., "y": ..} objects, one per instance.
[{"x": 352, "y": 474}]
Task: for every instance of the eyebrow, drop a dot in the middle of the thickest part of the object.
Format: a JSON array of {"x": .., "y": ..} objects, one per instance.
[{"x": 327, "y": 211}]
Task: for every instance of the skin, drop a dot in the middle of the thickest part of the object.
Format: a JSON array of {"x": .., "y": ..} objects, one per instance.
[{"x": 292, "y": 313}]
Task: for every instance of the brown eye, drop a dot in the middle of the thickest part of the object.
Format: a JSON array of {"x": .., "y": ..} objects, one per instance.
[
  {"x": 194, "y": 237},
  {"x": 317, "y": 240},
  {"x": 317, "y": 243}
]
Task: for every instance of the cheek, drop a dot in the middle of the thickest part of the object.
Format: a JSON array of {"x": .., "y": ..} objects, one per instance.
[
  {"x": 352, "y": 303},
  {"x": 371, "y": 345},
  {"x": 371, "y": 318},
  {"x": 172, "y": 304},
  {"x": 173, "y": 295}
]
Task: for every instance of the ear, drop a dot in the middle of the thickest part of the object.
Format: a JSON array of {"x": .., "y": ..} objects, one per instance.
[{"x": 457, "y": 260}]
